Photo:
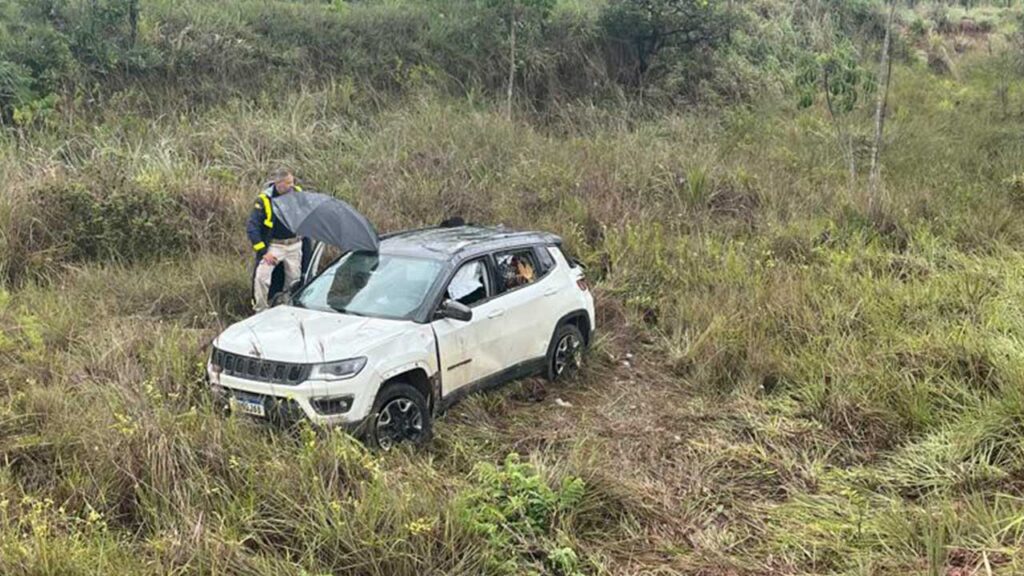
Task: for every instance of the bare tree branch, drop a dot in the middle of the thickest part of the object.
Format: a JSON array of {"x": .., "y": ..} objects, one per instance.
[{"x": 885, "y": 74}]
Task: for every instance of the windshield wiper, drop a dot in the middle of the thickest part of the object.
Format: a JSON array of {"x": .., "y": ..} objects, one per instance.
[{"x": 349, "y": 312}]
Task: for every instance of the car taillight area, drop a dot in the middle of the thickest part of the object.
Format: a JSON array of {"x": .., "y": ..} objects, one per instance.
[{"x": 581, "y": 283}]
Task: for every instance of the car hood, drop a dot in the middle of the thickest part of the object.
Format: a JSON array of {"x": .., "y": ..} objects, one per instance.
[{"x": 290, "y": 334}]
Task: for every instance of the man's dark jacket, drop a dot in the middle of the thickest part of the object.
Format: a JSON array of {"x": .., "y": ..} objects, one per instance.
[{"x": 264, "y": 226}]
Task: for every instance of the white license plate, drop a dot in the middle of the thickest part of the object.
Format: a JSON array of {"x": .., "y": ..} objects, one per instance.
[{"x": 251, "y": 407}]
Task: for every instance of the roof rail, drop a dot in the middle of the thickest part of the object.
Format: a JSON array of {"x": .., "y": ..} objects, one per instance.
[{"x": 407, "y": 231}]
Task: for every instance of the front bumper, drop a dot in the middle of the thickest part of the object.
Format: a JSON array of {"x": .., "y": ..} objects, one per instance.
[{"x": 287, "y": 404}]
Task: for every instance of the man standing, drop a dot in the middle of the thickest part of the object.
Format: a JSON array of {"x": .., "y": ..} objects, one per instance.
[{"x": 273, "y": 242}]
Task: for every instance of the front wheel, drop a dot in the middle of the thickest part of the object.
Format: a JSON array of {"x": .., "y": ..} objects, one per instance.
[
  {"x": 400, "y": 414},
  {"x": 565, "y": 354}
]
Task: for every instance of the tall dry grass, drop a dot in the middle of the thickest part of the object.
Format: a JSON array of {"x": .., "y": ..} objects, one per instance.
[{"x": 809, "y": 387}]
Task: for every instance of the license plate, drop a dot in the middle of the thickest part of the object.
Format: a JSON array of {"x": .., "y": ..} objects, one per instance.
[{"x": 246, "y": 406}]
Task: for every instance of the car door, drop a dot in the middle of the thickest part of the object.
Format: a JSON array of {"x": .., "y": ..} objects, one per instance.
[
  {"x": 523, "y": 286},
  {"x": 559, "y": 291},
  {"x": 311, "y": 262},
  {"x": 470, "y": 351}
]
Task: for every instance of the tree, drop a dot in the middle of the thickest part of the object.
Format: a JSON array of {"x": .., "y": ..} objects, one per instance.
[
  {"x": 519, "y": 15},
  {"x": 836, "y": 74},
  {"x": 884, "y": 76},
  {"x": 646, "y": 30}
]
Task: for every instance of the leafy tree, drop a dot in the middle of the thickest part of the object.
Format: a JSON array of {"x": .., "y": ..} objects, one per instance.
[
  {"x": 35, "y": 61},
  {"x": 648, "y": 31},
  {"x": 837, "y": 77},
  {"x": 101, "y": 33},
  {"x": 49, "y": 46}
]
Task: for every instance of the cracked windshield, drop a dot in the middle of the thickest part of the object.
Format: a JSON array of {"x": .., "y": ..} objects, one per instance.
[{"x": 368, "y": 284}]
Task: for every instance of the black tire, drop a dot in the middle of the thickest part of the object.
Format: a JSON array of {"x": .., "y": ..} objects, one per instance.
[
  {"x": 565, "y": 353},
  {"x": 405, "y": 415}
]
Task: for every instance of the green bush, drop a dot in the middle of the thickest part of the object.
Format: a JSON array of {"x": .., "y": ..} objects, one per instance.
[
  {"x": 110, "y": 223},
  {"x": 35, "y": 63},
  {"x": 15, "y": 88},
  {"x": 516, "y": 510},
  {"x": 665, "y": 50}
]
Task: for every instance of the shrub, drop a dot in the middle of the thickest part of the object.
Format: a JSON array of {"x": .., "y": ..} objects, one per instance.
[
  {"x": 15, "y": 88},
  {"x": 35, "y": 62},
  {"x": 513, "y": 506},
  {"x": 119, "y": 223},
  {"x": 665, "y": 49}
]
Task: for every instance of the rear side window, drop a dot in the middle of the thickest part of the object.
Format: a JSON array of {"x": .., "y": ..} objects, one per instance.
[
  {"x": 516, "y": 268},
  {"x": 544, "y": 260},
  {"x": 573, "y": 263}
]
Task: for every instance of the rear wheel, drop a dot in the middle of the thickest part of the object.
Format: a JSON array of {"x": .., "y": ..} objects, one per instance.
[
  {"x": 565, "y": 353},
  {"x": 400, "y": 414}
]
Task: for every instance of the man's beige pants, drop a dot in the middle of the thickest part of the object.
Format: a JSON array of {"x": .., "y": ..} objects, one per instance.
[{"x": 289, "y": 256}]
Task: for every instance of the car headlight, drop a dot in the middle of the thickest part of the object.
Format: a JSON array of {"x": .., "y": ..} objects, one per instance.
[{"x": 340, "y": 370}]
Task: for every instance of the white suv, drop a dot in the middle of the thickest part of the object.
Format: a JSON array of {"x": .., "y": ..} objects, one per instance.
[{"x": 380, "y": 342}]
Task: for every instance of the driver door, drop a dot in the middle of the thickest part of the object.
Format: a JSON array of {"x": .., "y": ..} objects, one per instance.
[
  {"x": 469, "y": 350},
  {"x": 312, "y": 256}
]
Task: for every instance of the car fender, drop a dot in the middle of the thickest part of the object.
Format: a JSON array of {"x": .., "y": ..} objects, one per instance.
[
  {"x": 569, "y": 317},
  {"x": 414, "y": 349},
  {"x": 408, "y": 367}
]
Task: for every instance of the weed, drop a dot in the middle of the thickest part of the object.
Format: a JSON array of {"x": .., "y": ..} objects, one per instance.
[{"x": 518, "y": 513}]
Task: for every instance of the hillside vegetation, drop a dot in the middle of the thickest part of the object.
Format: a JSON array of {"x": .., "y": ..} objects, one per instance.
[{"x": 788, "y": 379}]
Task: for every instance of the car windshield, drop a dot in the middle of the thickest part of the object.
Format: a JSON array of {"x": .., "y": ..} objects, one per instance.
[{"x": 370, "y": 284}]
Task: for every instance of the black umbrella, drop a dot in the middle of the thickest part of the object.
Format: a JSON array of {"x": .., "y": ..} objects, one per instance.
[{"x": 326, "y": 219}]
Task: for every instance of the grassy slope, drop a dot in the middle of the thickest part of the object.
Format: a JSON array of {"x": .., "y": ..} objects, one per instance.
[{"x": 783, "y": 384}]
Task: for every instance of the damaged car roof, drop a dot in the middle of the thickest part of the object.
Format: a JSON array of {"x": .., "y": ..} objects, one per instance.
[{"x": 468, "y": 241}]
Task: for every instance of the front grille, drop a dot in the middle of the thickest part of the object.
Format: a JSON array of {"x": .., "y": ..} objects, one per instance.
[{"x": 258, "y": 369}]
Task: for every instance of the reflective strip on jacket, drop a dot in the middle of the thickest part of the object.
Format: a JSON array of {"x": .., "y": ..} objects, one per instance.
[{"x": 263, "y": 226}]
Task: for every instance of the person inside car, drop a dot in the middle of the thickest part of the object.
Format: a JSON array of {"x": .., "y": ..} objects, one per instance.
[
  {"x": 524, "y": 271},
  {"x": 515, "y": 271}
]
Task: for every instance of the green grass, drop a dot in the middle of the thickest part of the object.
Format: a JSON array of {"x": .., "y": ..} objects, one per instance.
[{"x": 784, "y": 382}]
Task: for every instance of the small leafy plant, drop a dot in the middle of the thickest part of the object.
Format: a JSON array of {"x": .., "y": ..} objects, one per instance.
[{"x": 518, "y": 513}]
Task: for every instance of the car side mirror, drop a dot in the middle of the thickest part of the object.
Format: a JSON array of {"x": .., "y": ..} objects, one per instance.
[{"x": 455, "y": 310}]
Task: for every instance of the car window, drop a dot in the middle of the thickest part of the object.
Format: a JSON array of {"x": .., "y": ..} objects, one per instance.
[
  {"x": 329, "y": 256},
  {"x": 546, "y": 261},
  {"x": 573, "y": 262},
  {"x": 368, "y": 284},
  {"x": 470, "y": 284},
  {"x": 516, "y": 268}
]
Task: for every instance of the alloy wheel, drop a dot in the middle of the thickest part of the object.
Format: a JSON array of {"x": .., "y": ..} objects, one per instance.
[
  {"x": 567, "y": 354},
  {"x": 400, "y": 420}
]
